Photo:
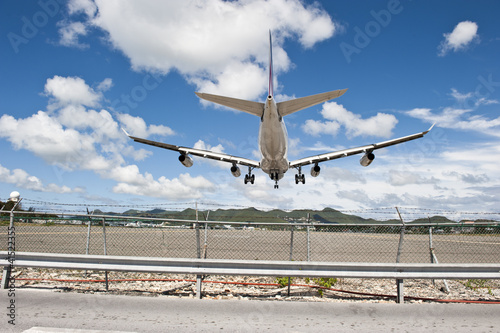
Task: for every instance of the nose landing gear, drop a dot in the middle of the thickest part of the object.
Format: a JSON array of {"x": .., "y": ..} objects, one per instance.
[{"x": 275, "y": 176}]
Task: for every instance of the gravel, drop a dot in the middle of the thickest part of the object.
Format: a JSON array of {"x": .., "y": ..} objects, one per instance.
[{"x": 261, "y": 288}]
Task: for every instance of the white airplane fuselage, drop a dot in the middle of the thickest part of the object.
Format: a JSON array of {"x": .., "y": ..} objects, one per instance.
[{"x": 273, "y": 141}]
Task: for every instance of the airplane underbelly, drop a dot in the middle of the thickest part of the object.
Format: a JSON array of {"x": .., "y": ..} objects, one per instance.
[{"x": 273, "y": 146}]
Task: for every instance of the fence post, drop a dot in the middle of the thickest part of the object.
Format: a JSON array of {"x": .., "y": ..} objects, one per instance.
[
  {"x": 401, "y": 237},
  {"x": 431, "y": 247},
  {"x": 308, "y": 238},
  {"x": 88, "y": 236},
  {"x": 399, "y": 282},
  {"x": 7, "y": 270},
  {"x": 205, "y": 244},
  {"x": 434, "y": 259},
  {"x": 105, "y": 249},
  {"x": 291, "y": 255},
  {"x": 198, "y": 252},
  {"x": 197, "y": 234},
  {"x": 88, "y": 231}
]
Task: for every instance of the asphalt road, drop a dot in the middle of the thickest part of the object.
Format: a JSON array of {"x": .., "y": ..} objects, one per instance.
[
  {"x": 48, "y": 309},
  {"x": 255, "y": 244}
]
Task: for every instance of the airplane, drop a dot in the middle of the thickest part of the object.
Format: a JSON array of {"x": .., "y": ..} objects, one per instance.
[{"x": 273, "y": 137}]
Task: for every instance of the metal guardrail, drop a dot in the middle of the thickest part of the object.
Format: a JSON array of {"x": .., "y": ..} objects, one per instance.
[
  {"x": 253, "y": 267},
  {"x": 398, "y": 271}
]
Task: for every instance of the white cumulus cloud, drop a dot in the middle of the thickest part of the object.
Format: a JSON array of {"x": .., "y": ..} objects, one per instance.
[
  {"x": 336, "y": 115},
  {"x": 459, "y": 119},
  {"x": 212, "y": 43},
  {"x": 47, "y": 138},
  {"x": 138, "y": 127},
  {"x": 71, "y": 90},
  {"x": 460, "y": 38},
  {"x": 72, "y": 136},
  {"x": 70, "y": 32},
  {"x": 20, "y": 178},
  {"x": 181, "y": 188}
]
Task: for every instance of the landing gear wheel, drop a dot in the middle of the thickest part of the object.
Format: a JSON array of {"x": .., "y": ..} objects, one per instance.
[
  {"x": 300, "y": 178},
  {"x": 249, "y": 178}
]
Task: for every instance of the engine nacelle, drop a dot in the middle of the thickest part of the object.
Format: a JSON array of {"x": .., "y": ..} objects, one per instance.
[
  {"x": 235, "y": 171},
  {"x": 186, "y": 160},
  {"x": 367, "y": 159},
  {"x": 315, "y": 170}
]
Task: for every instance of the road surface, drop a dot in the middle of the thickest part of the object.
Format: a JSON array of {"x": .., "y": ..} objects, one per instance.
[{"x": 55, "y": 311}]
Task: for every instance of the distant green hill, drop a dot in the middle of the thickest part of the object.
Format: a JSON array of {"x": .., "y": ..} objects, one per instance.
[{"x": 327, "y": 215}]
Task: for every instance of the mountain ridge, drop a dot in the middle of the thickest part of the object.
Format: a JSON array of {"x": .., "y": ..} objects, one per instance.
[{"x": 251, "y": 214}]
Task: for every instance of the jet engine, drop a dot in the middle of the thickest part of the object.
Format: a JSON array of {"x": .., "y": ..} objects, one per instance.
[
  {"x": 367, "y": 159},
  {"x": 186, "y": 160},
  {"x": 235, "y": 170},
  {"x": 315, "y": 170}
]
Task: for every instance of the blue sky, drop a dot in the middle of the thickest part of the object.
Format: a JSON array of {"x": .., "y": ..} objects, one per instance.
[{"x": 74, "y": 73}]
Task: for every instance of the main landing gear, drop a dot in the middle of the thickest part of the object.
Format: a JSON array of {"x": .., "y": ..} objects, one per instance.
[
  {"x": 249, "y": 178},
  {"x": 300, "y": 177}
]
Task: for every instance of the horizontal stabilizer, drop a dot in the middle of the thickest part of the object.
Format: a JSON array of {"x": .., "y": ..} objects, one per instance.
[
  {"x": 294, "y": 105},
  {"x": 251, "y": 107}
]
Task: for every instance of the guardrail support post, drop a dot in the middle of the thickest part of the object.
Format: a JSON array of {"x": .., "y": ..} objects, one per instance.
[
  {"x": 400, "y": 289},
  {"x": 7, "y": 270},
  {"x": 198, "y": 286}
]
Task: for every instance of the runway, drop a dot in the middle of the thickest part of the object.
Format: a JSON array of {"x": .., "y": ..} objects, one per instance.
[
  {"x": 40, "y": 308},
  {"x": 256, "y": 244}
]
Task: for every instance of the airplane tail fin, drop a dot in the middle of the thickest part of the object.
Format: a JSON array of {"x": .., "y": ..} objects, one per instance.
[
  {"x": 288, "y": 107},
  {"x": 284, "y": 108},
  {"x": 270, "y": 66}
]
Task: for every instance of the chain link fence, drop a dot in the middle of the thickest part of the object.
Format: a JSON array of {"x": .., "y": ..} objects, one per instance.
[{"x": 301, "y": 238}]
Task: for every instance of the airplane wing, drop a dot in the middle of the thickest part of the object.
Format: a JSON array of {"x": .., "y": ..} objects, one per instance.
[
  {"x": 251, "y": 107},
  {"x": 354, "y": 151},
  {"x": 294, "y": 105},
  {"x": 199, "y": 152}
]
